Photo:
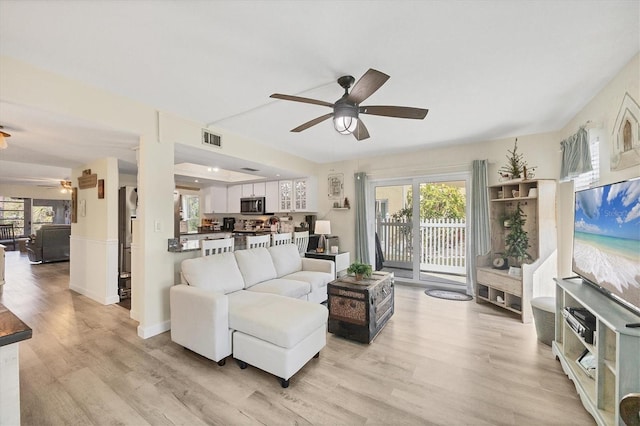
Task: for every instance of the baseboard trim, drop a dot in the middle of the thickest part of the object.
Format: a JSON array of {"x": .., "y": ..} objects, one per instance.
[
  {"x": 153, "y": 330},
  {"x": 110, "y": 300}
]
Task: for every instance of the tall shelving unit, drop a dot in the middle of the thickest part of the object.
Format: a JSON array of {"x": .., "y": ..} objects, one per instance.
[
  {"x": 616, "y": 349},
  {"x": 537, "y": 200}
]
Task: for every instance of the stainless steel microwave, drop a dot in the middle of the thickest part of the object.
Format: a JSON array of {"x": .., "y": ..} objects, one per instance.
[{"x": 252, "y": 205}]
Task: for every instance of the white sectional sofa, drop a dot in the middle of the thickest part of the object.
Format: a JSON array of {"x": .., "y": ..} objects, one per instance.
[{"x": 259, "y": 305}]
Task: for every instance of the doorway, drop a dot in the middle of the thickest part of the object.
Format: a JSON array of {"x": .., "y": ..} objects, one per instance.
[{"x": 423, "y": 239}]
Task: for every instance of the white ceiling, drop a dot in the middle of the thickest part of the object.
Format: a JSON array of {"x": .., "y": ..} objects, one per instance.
[{"x": 484, "y": 69}]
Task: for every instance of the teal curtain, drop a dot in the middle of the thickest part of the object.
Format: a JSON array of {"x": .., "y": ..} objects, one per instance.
[
  {"x": 576, "y": 156},
  {"x": 362, "y": 239},
  {"x": 480, "y": 223}
]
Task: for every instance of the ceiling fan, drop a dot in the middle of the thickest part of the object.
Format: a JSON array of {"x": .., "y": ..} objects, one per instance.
[
  {"x": 347, "y": 109},
  {"x": 66, "y": 186},
  {"x": 3, "y": 135}
]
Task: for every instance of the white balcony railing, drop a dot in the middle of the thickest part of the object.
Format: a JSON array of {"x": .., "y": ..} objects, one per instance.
[{"x": 442, "y": 245}]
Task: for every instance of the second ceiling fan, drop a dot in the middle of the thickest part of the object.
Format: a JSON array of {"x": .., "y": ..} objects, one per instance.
[{"x": 347, "y": 109}]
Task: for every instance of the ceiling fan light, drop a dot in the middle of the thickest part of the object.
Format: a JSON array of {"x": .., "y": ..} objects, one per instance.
[
  {"x": 345, "y": 124},
  {"x": 66, "y": 186},
  {"x": 3, "y": 141}
]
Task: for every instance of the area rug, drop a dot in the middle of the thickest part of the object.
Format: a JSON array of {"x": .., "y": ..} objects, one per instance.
[{"x": 447, "y": 294}]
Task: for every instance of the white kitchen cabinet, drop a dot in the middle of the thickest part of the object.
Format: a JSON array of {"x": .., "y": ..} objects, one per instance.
[
  {"x": 234, "y": 193},
  {"x": 253, "y": 189},
  {"x": 271, "y": 196},
  {"x": 214, "y": 199},
  {"x": 285, "y": 196},
  {"x": 305, "y": 195},
  {"x": 219, "y": 199},
  {"x": 298, "y": 195},
  {"x": 259, "y": 189}
]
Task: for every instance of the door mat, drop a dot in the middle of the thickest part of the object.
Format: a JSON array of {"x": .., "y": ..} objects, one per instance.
[{"x": 447, "y": 294}]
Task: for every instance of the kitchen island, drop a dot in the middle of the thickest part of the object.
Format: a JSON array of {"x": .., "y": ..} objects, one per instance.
[
  {"x": 240, "y": 236},
  {"x": 191, "y": 241}
]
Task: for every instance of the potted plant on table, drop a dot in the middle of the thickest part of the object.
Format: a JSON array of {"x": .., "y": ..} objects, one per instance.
[{"x": 360, "y": 270}]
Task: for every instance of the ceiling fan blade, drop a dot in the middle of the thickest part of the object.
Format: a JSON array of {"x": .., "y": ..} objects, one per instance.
[
  {"x": 313, "y": 122},
  {"x": 361, "y": 131},
  {"x": 395, "y": 111},
  {"x": 371, "y": 81},
  {"x": 300, "y": 99}
]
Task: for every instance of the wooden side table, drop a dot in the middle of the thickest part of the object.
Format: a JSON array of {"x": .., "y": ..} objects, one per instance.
[{"x": 358, "y": 310}]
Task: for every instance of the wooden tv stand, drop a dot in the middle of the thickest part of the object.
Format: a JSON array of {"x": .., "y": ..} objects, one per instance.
[{"x": 616, "y": 349}]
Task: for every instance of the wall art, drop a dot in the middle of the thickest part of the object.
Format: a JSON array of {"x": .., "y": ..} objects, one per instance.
[
  {"x": 625, "y": 140},
  {"x": 335, "y": 185}
]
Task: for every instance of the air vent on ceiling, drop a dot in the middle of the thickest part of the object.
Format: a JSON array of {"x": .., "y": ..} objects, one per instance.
[
  {"x": 211, "y": 139},
  {"x": 249, "y": 169}
]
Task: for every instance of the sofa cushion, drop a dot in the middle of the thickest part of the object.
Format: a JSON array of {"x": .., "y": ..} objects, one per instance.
[
  {"x": 286, "y": 259},
  {"x": 317, "y": 280},
  {"x": 255, "y": 265},
  {"x": 283, "y": 287},
  {"x": 218, "y": 273},
  {"x": 252, "y": 313}
]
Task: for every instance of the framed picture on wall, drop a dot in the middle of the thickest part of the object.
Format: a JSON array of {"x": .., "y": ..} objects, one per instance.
[
  {"x": 74, "y": 205},
  {"x": 335, "y": 185}
]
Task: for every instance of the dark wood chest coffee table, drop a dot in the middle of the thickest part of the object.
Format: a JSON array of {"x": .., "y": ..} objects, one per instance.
[{"x": 358, "y": 310}]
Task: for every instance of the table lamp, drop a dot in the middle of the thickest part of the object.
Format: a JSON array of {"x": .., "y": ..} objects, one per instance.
[{"x": 323, "y": 227}]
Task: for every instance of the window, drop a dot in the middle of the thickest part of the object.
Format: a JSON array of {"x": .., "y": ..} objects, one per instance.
[
  {"x": 191, "y": 212},
  {"x": 12, "y": 211},
  {"x": 41, "y": 215},
  {"x": 587, "y": 179},
  {"x": 48, "y": 212}
]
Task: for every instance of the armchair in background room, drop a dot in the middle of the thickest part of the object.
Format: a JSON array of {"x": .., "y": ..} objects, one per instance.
[{"x": 51, "y": 244}]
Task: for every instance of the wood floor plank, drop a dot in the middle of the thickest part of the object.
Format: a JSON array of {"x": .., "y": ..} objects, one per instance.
[
  {"x": 98, "y": 401},
  {"x": 436, "y": 362}
]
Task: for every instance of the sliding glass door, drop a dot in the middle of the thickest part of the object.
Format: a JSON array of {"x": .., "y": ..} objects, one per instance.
[{"x": 423, "y": 238}]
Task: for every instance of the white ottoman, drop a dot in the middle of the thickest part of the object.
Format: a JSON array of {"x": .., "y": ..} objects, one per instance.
[
  {"x": 544, "y": 315},
  {"x": 275, "y": 333}
]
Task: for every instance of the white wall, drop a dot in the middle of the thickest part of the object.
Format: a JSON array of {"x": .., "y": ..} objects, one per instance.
[
  {"x": 539, "y": 150},
  {"x": 34, "y": 192},
  {"x": 185, "y": 132},
  {"x": 93, "y": 269},
  {"x": 602, "y": 111}
]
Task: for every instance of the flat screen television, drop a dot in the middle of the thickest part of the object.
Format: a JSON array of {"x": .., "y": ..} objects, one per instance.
[{"x": 606, "y": 240}]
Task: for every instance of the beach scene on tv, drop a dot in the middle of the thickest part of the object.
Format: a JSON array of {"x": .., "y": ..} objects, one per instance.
[{"x": 606, "y": 246}]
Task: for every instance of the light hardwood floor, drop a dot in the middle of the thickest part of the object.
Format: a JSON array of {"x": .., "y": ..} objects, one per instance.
[{"x": 436, "y": 362}]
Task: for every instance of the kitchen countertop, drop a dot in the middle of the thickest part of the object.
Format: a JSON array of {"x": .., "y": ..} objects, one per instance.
[
  {"x": 186, "y": 234},
  {"x": 12, "y": 329},
  {"x": 252, "y": 231},
  {"x": 175, "y": 245}
]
